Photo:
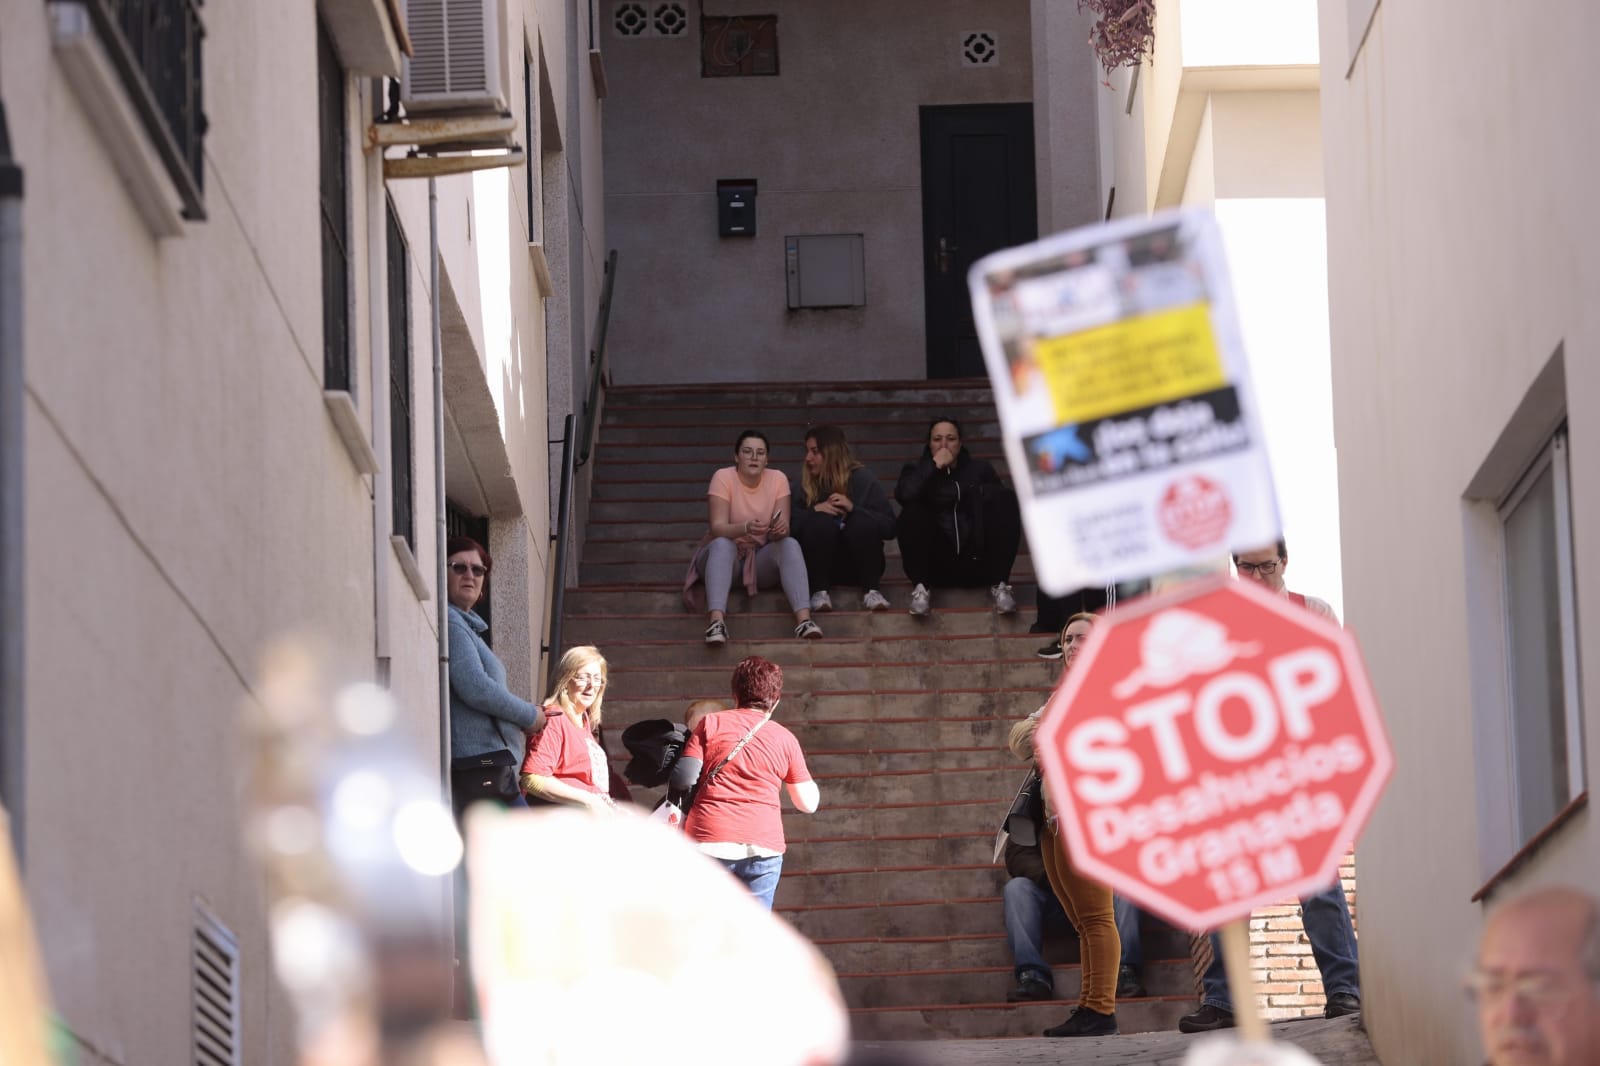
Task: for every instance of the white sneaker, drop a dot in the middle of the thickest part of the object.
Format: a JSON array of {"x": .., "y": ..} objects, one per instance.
[
  {"x": 922, "y": 603},
  {"x": 1004, "y": 602},
  {"x": 874, "y": 601},
  {"x": 820, "y": 601}
]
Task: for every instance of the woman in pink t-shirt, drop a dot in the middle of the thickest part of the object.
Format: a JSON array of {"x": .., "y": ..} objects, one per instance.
[{"x": 749, "y": 533}]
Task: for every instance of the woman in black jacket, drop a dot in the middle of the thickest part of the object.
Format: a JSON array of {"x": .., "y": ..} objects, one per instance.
[
  {"x": 959, "y": 524},
  {"x": 843, "y": 521}
]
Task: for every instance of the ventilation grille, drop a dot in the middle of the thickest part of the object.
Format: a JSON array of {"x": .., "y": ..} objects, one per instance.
[
  {"x": 453, "y": 62},
  {"x": 216, "y": 992},
  {"x": 635, "y": 19},
  {"x": 980, "y": 48}
]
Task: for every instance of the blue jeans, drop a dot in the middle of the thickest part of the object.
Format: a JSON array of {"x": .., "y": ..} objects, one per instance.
[
  {"x": 1029, "y": 908},
  {"x": 1326, "y": 917},
  {"x": 1128, "y": 930},
  {"x": 759, "y": 874}
]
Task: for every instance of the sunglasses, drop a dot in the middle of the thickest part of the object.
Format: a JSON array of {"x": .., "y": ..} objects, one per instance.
[{"x": 463, "y": 569}]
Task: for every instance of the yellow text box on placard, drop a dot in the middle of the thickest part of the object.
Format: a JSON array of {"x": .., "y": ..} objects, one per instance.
[{"x": 1139, "y": 362}]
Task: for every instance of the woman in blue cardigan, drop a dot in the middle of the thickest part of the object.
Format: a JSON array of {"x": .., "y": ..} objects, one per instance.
[{"x": 489, "y": 725}]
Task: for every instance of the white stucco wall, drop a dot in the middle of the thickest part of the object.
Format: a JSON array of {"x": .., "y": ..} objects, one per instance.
[{"x": 1461, "y": 229}]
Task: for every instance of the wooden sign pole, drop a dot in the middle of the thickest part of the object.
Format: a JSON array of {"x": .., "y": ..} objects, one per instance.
[{"x": 1235, "y": 937}]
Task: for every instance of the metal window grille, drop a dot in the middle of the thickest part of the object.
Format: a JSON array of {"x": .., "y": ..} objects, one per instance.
[
  {"x": 215, "y": 1018},
  {"x": 400, "y": 467},
  {"x": 155, "y": 46},
  {"x": 334, "y": 145}
]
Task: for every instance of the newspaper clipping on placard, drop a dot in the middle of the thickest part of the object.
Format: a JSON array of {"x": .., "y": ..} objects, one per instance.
[{"x": 1124, "y": 398}]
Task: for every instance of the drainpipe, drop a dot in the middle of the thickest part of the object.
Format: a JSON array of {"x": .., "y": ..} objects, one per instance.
[
  {"x": 382, "y": 483},
  {"x": 441, "y": 521},
  {"x": 13, "y": 604}
]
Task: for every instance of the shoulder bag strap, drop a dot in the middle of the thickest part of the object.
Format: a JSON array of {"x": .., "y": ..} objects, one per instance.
[{"x": 737, "y": 748}]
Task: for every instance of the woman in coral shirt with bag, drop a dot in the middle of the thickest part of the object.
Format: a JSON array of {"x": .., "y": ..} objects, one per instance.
[{"x": 566, "y": 763}]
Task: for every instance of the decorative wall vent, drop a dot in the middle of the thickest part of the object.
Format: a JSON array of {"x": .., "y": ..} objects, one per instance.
[
  {"x": 671, "y": 20},
  {"x": 215, "y": 1020},
  {"x": 979, "y": 48},
  {"x": 634, "y": 19},
  {"x": 630, "y": 20}
]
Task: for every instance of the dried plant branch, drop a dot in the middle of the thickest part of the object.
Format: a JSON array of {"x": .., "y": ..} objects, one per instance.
[{"x": 1123, "y": 34}]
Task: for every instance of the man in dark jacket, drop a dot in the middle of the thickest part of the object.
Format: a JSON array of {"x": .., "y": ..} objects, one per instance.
[{"x": 959, "y": 524}]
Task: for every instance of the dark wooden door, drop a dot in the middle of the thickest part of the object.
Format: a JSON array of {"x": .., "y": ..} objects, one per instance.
[{"x": 977, "y": 196}]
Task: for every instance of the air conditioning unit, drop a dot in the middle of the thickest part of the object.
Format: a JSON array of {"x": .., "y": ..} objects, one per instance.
[{"x": 455, "y": 65}]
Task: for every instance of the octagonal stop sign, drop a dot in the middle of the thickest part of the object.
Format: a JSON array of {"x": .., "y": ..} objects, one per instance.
[{"x": 1213, "y": 750}]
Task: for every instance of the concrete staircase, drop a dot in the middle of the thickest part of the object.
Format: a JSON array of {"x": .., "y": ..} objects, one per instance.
[{"x": 903, "y": 720}]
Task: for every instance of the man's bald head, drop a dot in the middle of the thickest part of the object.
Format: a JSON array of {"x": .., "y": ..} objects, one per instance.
[{"x": 1538, "y": 980}]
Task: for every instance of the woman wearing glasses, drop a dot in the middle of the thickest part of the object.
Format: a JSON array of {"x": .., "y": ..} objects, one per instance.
[
  {"x": 1087, "y": 903},
  {"x": 566, "y": 763},
  {"x": 489, "y": 724},
  {"x": 748, "y": 534}
]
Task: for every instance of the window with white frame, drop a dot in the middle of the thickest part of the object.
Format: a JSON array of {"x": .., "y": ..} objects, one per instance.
[{"x": 1544, "y": 716}]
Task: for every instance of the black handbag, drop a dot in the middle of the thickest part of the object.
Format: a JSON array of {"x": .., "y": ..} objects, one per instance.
[
  {"x": 1027, "y": 812},
  {"x": 489, "y": 776}
]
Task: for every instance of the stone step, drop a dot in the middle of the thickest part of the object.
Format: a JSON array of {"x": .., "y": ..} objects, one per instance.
[
  {"x": 889, "y": 712},
  {"x": 693, "y": 486},
  {"x": 954, "y": 391},
  {"x": 856, "y": 886},
  {"x": 993, "y": 1020},
  {"x": 663, "y": 572},
  {"x": 860, "y": 763},
  {"x": 847, "y": 620},
  {"x": 716, "y": 450},
  {"x": 687, "y": 427},
  {"x": 772, "y": 418},
  {"x": 914, "y": 649},
  {"x": 838, "y": 818},
  {"x": 665, "y": 599},
  {"x": 708, "y": 677},
  {"x": 643, "y": 467},
  {"x": 985, "y": 984},
  {"x": 678, "y": 550}
]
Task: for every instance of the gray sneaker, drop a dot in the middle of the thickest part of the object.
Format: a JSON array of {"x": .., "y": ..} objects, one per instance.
[
  {"x": 921, "y": 602},
  {"x": 821, "y": 601},
  {"x": 1004, "y": 602},
  {"x": 875, "y": 601}
]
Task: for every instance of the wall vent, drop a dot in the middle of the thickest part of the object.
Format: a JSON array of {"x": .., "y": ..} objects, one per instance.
[
  {"x": 216, "y": 991},
  {"x": 455, "y": 61},
  {"x": 635, "y": 19},
  {"x": 980, "y": 48}
]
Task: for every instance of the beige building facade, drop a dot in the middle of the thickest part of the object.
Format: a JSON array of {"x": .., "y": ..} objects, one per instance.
[
  {"x": 230, "y": 436},
  {"x": 1466, "y": 393}
]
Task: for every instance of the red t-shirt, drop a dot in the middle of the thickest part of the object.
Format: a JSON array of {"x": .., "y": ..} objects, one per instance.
[
  {"x": 561, "y": 750},
  {"x": 742, "y": 805}
]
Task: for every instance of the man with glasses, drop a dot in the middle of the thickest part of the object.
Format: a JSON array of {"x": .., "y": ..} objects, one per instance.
[
  {"x": 1537, "y": 980},
  {"x": 1325, "y": 916}
]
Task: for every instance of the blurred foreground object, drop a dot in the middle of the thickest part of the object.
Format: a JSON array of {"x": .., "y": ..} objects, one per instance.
[
  {"x": 24, "y": 1023},
  {"x": 358, "y": 845},
  {"x": 1231, "y": 1051},
  {"x": 614, "y": 940}
]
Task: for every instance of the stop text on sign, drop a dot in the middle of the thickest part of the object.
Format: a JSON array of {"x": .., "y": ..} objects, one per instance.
[{"x": 1237, "y": 821}]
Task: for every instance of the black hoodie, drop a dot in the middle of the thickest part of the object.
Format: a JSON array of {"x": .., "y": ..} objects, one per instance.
[{"x": 955, "y": 494}]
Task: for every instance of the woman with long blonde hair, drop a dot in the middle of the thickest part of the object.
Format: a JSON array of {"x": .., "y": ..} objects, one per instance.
[
  {"x": 1087, "y": 903},
  {"x": 566, "y": 763},
  {"x": 842, "y": 522}
]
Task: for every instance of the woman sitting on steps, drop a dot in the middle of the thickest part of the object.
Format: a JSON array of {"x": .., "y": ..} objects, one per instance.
[
  {"x": 748, "y": 507},
  {"x": 844, "y": 521}
]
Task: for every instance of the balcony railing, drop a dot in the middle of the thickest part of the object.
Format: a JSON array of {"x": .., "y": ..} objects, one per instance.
[{"x": 155, "y": 45}]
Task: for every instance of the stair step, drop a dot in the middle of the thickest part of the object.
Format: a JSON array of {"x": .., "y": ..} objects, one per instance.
[
  {"x": 949, "y": 390},
  {"x": 716, "y": 449},
  {"x": 846, "y": 621},
  {"x": 983, "y": 985},
  {"x": 995, "y": 1020},
  {"x": 675, "y": 543},
  {"x": 688, "y": 427},
  {"x": 897, "y": 884},
  {"x": 708, "y": 676},
  {"x": 839, "y": 651},
  {"x": 664, "y": 598}
]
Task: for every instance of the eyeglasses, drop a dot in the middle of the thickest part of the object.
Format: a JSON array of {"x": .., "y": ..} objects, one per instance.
[
  {"x": 588, "y": 679},
  {"x": 752, "y": 453},
  {"x": 1266, "y": 569},
  {"x": 463, "y": 569},
  {"x": 1545, "y": 991}
]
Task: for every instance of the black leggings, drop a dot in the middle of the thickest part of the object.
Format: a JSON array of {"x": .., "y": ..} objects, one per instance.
[
  {"x": 931, "y": 559},
  {"x": 837, "y": 556}
]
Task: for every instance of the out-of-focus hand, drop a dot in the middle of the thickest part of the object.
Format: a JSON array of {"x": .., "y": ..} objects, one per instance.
[
  {"x": 841, "y": 503},
  {"x": 757, "y": 529},
  {"x": 778, "y": 530},
  {"x": 826, "y": 507},
  {"x": 943, "y": 458}
]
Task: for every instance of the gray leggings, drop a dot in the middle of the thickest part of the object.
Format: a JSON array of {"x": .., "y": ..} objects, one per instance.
[{"x": 777, "y": 562}]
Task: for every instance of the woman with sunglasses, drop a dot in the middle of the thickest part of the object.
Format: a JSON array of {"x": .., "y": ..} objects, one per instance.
[
  {"x": 489, "y": 724},
  {"x": 1087, "y": 903},
  {"x": 566, "y": 764}
]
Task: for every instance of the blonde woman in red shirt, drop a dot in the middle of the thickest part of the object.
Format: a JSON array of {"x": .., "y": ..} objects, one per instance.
[{"x": 566, "y": 763}]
